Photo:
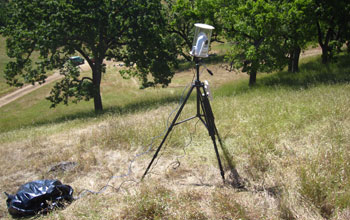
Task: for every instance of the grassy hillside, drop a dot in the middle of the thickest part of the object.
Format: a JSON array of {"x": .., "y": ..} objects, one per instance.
[
  {"x": 119, "y": 97},
  {"x": 288, "y": 136}
]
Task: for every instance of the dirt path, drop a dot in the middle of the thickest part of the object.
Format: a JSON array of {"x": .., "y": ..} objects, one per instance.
[
  {"x": 29, "y": 88},
  {"x": 26, "y": 89},
  {"x": 311, "y": 52},
  {"x": 85, "y": 67}
]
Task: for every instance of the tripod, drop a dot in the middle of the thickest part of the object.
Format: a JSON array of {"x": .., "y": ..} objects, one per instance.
[{"x": 204, "y": 113}]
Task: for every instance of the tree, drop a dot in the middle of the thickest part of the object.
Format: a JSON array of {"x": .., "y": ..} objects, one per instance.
[
  {"x": 3, "y": 12},
  {"x": 253, "y": 28},
  {"x": 332, "y": 21},
  {"x": 297, "y": 29},
  {"x": 131, "y": 31}
]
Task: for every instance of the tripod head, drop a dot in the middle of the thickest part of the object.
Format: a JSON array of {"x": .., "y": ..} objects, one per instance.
[{"x": 198, "y": 62}]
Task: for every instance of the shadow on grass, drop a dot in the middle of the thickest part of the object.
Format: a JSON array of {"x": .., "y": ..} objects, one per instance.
[
  {"x": 143, "y": 105},
  {"x": 311, "y": 74}
]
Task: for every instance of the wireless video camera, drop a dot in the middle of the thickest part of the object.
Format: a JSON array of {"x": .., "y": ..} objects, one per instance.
[{"x": 201, "y": 41}]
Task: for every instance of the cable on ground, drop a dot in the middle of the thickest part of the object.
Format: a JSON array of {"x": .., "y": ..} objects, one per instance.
[{"x": 85, "y": 192}]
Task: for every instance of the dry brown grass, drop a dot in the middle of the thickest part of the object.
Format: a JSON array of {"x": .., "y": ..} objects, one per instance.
[{"x": 192, "y": 191}]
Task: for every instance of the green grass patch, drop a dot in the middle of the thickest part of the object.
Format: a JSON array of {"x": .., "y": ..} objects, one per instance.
[
  {"x": 120, "y": 97},
  {"x": 311, "y": 74},
  {"x": 123, "y": 97}
]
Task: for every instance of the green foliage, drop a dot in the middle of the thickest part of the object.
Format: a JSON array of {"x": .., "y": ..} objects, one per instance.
[
  {"x": 252, "y": 27},
  {"x": 268, "y": 35},
  {"x": 3, "y": 13},
  {"x": 4, "y": 87},
  {"x": 128, "y": 31},
  {"x": 71, "y": 87},
  {"x": 297, "y": 25},
  {"x": 333, "y": 23},
  {"x": 297, "y": 29}
]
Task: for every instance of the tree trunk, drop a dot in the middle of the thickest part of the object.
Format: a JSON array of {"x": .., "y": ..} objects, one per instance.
[
  {"x": 290, "y": 62},
  {"x": 96, "y": 74},
  {"x": 97, "y": 99},
  {"x": 296, "y": 60},
  {"x": 293, "y": 65},
  {"x": 324, "y": 43},
  {"x": 324, "y": 54},
  {"x": 252, "y": 78}
]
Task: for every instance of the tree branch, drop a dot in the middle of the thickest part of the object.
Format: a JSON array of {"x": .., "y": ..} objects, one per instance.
[
  {"x": 319, "y": 33},
  {"x": 82, "y": 80},
  {"x": 86, "y": 56}
]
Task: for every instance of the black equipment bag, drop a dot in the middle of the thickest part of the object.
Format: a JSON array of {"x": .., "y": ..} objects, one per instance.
[{"x": 37, "y": 197}]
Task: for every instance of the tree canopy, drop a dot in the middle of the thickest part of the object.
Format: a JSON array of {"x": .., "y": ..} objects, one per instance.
[
  {"x": 131, "y": 31},
  {"x": 252, "y": 28},
  {"x": 333, "y": 22},
  {"x": 268, "y": 35},
  {"x": 3, "y": 12}
]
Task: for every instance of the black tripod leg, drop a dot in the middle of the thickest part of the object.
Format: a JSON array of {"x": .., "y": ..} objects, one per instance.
[
  {"x": 210, "y": 124},
  {"x": 169, "y": 130}
]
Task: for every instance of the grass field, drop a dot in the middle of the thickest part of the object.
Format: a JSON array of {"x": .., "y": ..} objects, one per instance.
[{"x": 288, "y": 137}]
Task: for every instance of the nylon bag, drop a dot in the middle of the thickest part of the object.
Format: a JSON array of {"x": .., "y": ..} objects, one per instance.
[{"x": 39, "y": 197}]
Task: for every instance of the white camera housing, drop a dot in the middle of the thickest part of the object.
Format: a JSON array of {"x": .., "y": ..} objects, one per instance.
[{"x": 201, "y": 41}]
